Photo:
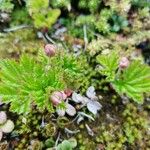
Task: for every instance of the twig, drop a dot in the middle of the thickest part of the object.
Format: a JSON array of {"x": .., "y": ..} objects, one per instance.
[
  {"x": 85, "y": 37},
  {"x": 48, "y": 38},
  {"x": 58, "y": 137},
  {"x": 17, "y": 28},
  {"x": 84, "y": 114},
  {"x": 70, "y": 131},
  {"x": 89, "y": 130}
]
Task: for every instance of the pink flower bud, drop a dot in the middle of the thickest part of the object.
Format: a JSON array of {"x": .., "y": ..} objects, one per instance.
[
  {"x": 68, "y": 92},
  {"x": 57, "y": 97},
  {"x": 124, "y": 62},
  {"x": 50, "y": 50},
  {"x": 3, "y": 117}
]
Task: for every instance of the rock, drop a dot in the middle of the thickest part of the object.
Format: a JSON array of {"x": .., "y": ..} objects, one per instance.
[{"x": 7, "y": 127}]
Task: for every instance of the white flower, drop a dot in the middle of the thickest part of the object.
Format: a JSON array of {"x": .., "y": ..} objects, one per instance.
[
  {"x": 90, "y": 101},
  {"x": 91, "y": 93},
  {"x": 70, "y": 110},
  {"x": 94, "y": 106}
]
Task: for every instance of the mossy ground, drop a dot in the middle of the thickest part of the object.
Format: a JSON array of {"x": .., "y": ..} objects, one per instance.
[{"x": 120, "y": 124}]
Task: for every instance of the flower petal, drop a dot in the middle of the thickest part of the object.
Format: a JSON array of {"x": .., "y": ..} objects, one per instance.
[
  {"x": 91, "y": 92},
  {"x": 70, "y": 110},
  {"x": 94, "y": 106}
]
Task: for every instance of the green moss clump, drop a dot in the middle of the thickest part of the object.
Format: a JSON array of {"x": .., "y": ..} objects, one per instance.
[
  {"x": 18, "y": 42},
  {"x": 131, "y": 132}
]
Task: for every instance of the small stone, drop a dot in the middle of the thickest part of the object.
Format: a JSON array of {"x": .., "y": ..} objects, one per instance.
[{"x": 8, "y": 127}]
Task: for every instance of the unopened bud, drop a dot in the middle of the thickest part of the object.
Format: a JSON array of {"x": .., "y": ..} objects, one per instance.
[{"x": 50, "y": 50}]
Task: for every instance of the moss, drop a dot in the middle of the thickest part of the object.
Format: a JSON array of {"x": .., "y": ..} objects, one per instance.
[
  {"x": 131, "y": 130},
  {"x": 21, "y": 41}
]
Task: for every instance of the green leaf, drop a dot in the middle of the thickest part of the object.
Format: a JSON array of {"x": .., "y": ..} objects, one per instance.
[
  {"x": 30, "y": 82},
  {"x": 110, "y": 64},
  {"x": 134, "y": 81},
  {"x": 65, "y": 145}
]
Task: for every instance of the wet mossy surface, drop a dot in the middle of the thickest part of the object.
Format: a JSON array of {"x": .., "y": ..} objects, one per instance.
[{"x": 121, "y": 123}]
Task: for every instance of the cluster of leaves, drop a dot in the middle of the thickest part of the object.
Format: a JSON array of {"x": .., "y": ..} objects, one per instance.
[
  {"x": 140, "y": 4},
  {"x": 67, "y": 144},
  {"x": 6, "y": 5},
  {"x": 118, "y": 22},
  {"x": 102, "y": 24},
  {"x": 61, "y": 4},
  {"x": 91, "y": 5},
  {"x": 30, "y": 82},
  {"x": 20, "y": 16},
  {"x": 132, "y": 81},
  {"x": 43, "y": 16},
  {"x": 107, "y": 21},
  {"x": 104, "y": 44}
]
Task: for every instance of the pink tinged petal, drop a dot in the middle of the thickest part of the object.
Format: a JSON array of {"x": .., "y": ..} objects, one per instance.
[
  {"x": 94, "y": 106},
  {"x": 124, "y": 62},
  {"x": 64, "y": 96},
  {"x": 55, "y": 100},
  {"x": 57, "y": 97},
  {"x": 68, "y": 92},
  {"x": 70, "y": 110}
]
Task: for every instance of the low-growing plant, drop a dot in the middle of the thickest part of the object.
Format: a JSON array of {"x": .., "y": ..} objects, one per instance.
[
  {"x": 30, "y": 82},
  {"x": 118, "y": 23},
  {"x": 6, "y": 6},
  {"x": 130, "y": 78},
  {"x": 61, "y": 4},
  {"x": 67, "y": 144},
  {"x": 91, "y": 5},
  {"x": 141, "y": 4},
  {"x": 43, "y": 16}
]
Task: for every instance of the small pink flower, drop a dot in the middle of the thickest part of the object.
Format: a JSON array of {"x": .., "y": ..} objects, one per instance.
[
  {"x": 124, "y": 62},
  {"x": 50, "y": 50},
  {"x": 57, "y": 97}
]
